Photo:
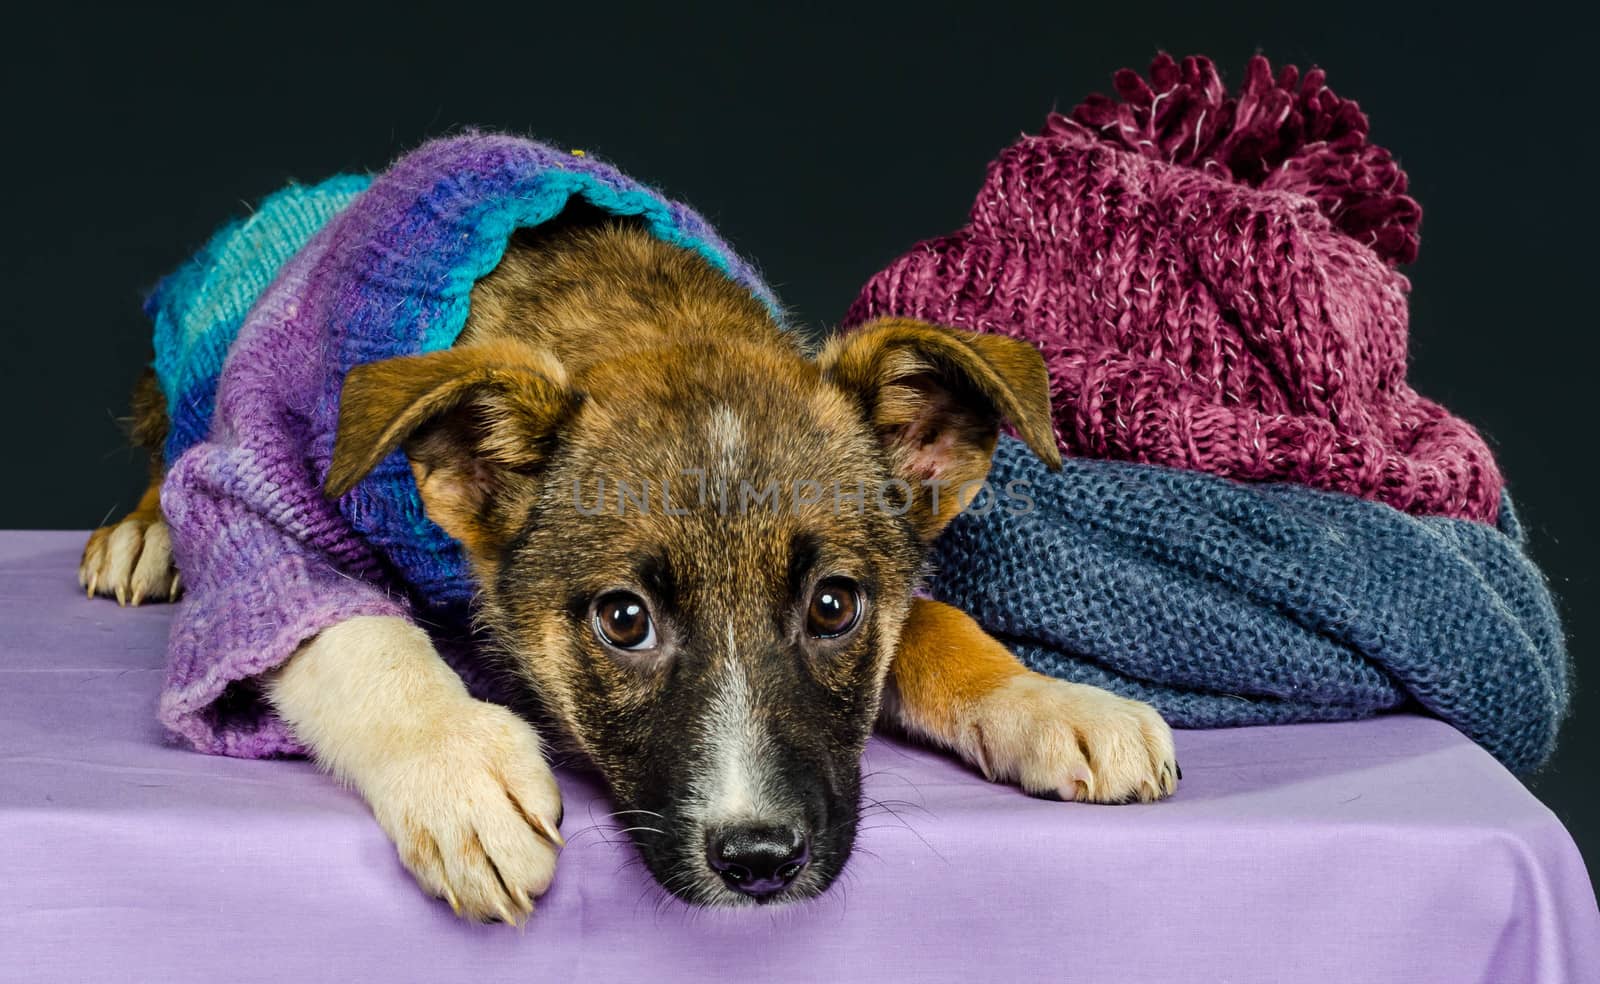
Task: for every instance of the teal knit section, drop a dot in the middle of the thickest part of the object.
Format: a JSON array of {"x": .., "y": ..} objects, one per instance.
[{"x": 198, "y": 309}]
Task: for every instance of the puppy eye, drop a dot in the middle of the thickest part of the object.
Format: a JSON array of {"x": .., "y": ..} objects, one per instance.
[
  {"x": 835, "y": 607},
  {"x": 622, "y": 620}
]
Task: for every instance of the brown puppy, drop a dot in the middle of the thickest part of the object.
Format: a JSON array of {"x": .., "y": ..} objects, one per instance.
[{"x": 698, "y": 549}]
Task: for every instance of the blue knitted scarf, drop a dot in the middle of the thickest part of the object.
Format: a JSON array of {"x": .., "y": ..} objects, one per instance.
[{"x": 1224, "y": 603}]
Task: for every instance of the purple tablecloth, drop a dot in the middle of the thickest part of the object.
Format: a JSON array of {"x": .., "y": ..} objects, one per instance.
[{"x": 1388, "y": 850}]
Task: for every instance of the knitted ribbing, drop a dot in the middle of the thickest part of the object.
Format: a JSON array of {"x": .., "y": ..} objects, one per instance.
[
  {"x": 1209, "y": 281},
  {"x": 268, "y": 561},
  {"x": 1225, "y": 603}
]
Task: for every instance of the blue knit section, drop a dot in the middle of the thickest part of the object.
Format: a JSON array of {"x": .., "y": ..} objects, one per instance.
[
  {"x": 1224, "y": 603},
  {"x": 199, "y": 309}
]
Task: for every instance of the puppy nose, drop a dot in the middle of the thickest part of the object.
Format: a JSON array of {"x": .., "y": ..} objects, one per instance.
[{"x": 758, "y": 861}]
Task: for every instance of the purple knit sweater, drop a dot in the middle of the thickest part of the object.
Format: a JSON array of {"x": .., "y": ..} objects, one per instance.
[{"x": 268, "y": 560}]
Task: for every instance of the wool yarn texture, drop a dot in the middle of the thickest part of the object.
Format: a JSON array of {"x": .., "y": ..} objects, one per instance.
[
  {"x": 1211, "y": 282},
  {"x": 1259, "y": 521}
]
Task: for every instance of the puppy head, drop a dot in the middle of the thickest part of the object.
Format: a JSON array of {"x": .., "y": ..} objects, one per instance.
[{"x": 699, "y": 555}]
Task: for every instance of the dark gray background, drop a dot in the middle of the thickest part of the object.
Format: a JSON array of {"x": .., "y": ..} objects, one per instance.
[{"x": 822, "y": 143}]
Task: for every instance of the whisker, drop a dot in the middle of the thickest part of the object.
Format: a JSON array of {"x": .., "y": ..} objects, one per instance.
[
  {"x": 917, "y": 834},
  {"x": 903, "y": 804},
  {"x": 594, "y": 828},
  {"x": 889, "y": 774}
]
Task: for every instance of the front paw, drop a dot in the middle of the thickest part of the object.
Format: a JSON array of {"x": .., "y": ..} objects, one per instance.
[
  {"x": 1071, "y": 741},
  {"x": 131, "y": 561},
  {"x": 474, "y": 811}
]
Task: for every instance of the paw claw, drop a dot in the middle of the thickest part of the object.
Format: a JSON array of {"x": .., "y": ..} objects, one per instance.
[
  {"x": 551, "y": 834},
  {"x": 1080, "y": 782}
]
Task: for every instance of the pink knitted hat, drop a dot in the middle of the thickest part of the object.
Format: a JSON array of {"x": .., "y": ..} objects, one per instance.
[{"x": 1211, "y": 282}]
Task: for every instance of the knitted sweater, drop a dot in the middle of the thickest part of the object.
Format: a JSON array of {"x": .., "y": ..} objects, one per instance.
[{"x": 357, "y": 272}]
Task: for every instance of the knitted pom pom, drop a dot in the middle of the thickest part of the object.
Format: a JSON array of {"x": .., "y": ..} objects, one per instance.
[{"x": 1287, "y": 134}]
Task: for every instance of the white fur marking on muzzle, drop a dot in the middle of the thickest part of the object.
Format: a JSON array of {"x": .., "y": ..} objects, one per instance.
[{"x": 733, "y": 784}]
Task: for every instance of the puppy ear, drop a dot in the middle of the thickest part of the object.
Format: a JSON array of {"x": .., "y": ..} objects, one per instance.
[
  {"x": 936, "y": 397},
  {"x": 476, "y": 424}
]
